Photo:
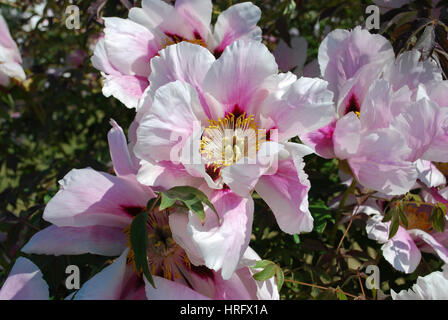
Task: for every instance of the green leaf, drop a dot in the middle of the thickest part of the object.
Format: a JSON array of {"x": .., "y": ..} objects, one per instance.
[
  {"x": 321, "y": 215},
  {"x": 341, "y": 295},
  {"x": 139, "y": 244},
  {"x": 166, "y": 202},
  {"x": 394, "y": 224},
  {"x": 192, "y": 198},
  {"x": 280, "y": 277},
  {"x": 438, "y": 218},
  {"x": 267, "y": 273},
  {"x": 296, "y": 238}
]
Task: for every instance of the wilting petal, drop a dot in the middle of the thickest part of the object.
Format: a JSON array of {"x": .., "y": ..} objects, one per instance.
[
  {"x": 237, "y": 22},
  {"x": 169, "y": 123},
  {"x": 169, "y": 290},
  {"x": 25, "y": 282},
  {"x": 88, "y": 197},
  {"x": 234, "y": 79},
  {"x": 106, "y": 241},
  {"x": 222, "y": 245},
  {"x": 401, "y": 252}
]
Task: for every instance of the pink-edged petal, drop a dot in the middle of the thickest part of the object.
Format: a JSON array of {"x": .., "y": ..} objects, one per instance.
[
  {"x": 25, "y": 282},
  {"x": 435, "y": 245},
  {"x": 119, "y": 152},
  {"x": 346, "y": 137},
  {"x": 321, "y": 140},
  {"x": 401, "y": 252},
  {"x": 222, "y": 245},
  {"x": 286, "y": 193},
  {"x": 171, "y": 120},
  {"x": 169, "y": 290},
  {"x": 88, "y": 197},
  {"x": 237, "y": 22},
  {"x": 235, "y": 78},
  {"x": 106, "y": 241}
]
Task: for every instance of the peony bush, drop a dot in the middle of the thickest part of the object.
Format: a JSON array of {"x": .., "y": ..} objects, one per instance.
[{"x": 192, "y": 150}]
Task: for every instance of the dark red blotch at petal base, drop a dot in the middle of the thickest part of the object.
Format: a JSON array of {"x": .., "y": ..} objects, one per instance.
[
  {"x": 353, "y": 105},
  {"x": 132, "y": 210}
]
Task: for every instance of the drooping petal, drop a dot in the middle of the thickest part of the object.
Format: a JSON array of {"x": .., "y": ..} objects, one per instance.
[
  {"x": 401, "y": 252},
  {"x": 25, "y": 282},
  {"x": 222, "y": 245},
  {"x": 106, "y": 241},
  {"x": 127, "y": 89},
  {"x": 88, "y": 197},
  {"x": 110, "y": 283},
  {"x": 286, "y": 193}
]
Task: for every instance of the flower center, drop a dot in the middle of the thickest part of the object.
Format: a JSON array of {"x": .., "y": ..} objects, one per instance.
[
  {"x": 418, "y": 217},
  {"x": 226, "y": 141},
  {"x": 175, "y": 39},
  {"x": 165, "y": 257}
]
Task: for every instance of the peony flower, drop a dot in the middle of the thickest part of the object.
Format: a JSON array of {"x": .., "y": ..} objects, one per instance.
[
  {"x": 431, "y": 287},
  {"x": 222, "y": 125},
  {"x": 10, "y": 60},
  {"x": 92, "y": 213},
  {"x": 124, "y": 54},
  {"x": 25, "y": 282},
  {"x": 402, "y": 251},
  {"x": 385, "y": 119}
]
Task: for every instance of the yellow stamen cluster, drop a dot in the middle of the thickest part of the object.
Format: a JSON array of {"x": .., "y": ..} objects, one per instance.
[
  {"x": 176, "y": 39},
  {"x": 225, "y": 141}
]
